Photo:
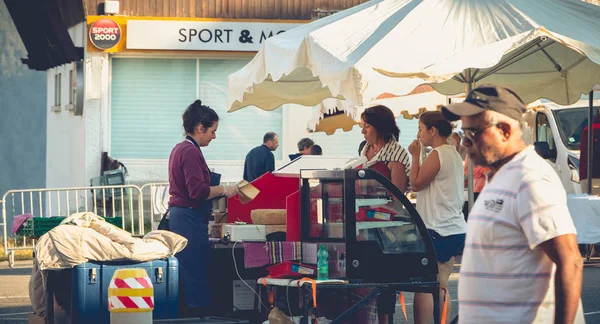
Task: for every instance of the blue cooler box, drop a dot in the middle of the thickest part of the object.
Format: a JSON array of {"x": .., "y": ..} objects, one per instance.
[{"x": 89, "y": 289}]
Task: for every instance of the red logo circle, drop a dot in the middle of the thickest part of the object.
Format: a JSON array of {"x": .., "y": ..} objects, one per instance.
[{"x": 105, "y": 33}]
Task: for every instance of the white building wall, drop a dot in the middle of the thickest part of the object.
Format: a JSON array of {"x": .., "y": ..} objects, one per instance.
[
  {"x": 78, "y": 34},
  {"x": 65, "y": 140},
  {"x": 75, "y": 143},
  {"x": 295, "y": 119},
  {"x": 96, "y": 110}
]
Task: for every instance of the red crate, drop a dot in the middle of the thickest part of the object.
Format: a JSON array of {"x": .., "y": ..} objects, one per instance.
[{"x": 288, "y": 269}]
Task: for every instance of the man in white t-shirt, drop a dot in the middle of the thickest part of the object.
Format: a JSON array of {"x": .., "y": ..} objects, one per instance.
[{"x": 521, "y": 263}]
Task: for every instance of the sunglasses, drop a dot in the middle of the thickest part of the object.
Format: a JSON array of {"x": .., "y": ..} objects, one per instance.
[
  {"x": 472, "y": 134},
  {"x": 478, "y": 97}
]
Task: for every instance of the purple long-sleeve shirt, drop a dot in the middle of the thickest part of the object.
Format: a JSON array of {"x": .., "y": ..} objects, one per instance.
[{"x": 189, "y": 176}]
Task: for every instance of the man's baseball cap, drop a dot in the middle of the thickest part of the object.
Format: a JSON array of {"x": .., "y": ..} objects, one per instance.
[{"x": 487, "y": 97}]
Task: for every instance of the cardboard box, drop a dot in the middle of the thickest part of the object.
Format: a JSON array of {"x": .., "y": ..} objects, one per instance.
[
  {"x": 247, "y": 191},
  {"x": 216, "y": 230}
]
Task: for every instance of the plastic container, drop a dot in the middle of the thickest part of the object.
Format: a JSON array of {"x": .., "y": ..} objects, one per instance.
[
  {"x": 82, "y": 292},
  {"x": 289, "y": 269},
  {"x": 109, "y": 178},
  {"x": 38, "y": 226}
]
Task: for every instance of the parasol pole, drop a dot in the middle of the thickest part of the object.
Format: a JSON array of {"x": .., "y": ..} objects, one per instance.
[
  {"x": 590, "y": 146},
  {"x": 470, "y": 196}
]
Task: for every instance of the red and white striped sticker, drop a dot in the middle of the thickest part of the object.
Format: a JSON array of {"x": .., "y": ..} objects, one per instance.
[{"x": 130, "y": 292}]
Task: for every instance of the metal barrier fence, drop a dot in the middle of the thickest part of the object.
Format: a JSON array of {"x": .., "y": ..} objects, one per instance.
[
  {"x": 106, "y": 201},
  {"x": 157, "y": 194}
]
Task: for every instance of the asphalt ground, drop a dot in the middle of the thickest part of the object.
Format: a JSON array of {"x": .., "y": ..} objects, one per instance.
[
  {"x": 15, "y": 304},
  {"x": 14, "y": 292}
]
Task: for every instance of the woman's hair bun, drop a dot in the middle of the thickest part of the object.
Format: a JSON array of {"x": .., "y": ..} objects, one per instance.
[{"x": 195, "y": 114}]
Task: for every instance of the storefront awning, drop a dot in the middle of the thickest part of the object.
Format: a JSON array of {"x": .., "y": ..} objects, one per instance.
[{"x": 43, "y": 28}]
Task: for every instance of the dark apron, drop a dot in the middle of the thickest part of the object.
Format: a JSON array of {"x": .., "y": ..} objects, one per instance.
[
  {"x": 193, "y": 260},
  {"x": 382, "y": 167}
]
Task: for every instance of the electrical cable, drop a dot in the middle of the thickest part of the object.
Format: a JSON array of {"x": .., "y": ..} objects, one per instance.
[
  {"x": 221, "y": 219},
  {"x": 240, "y": 277}
]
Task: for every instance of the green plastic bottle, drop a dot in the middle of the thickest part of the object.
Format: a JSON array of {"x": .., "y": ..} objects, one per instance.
[{"x": 322, "y": 263}]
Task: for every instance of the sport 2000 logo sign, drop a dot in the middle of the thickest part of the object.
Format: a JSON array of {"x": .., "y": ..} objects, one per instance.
[{"x": 105, "y": 33}]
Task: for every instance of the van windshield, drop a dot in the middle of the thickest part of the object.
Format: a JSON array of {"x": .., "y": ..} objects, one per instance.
[{"x": 571, "y": 123}]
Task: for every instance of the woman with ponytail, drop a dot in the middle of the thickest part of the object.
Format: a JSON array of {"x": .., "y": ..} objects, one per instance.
[
  {"x": 438, "y": 181},
  {"x": 190, "y": 204}
]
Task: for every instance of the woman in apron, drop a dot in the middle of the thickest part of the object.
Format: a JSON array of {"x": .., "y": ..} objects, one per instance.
[
  {"x": 190, "y": 203},
  {"x": 385, "y": 155},
  {"x": 383, "y": 152}
]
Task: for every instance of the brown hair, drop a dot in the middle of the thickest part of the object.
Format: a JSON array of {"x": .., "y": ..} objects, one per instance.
[
  {"x": 382, "y": 118},
  {"x": 437, "y": 120},
  {"x": 197, "y": 113}
]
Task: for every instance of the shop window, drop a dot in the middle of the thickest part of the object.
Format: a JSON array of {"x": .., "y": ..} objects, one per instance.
[
  {"x": 72, "y": 87},
  {"x": 57, "y": 89},
  {"x": 148, "y": 97},
  {"x": 242, "y": 130}
]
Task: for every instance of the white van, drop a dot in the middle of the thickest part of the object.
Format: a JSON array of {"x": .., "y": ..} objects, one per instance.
[{"x": 555, "y": 132}]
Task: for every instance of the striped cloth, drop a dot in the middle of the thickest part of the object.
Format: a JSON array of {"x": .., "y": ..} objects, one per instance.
[
  {"x": 391, "y": 152},
  {"x": 260, "y": 254},
  {"x": 283, "y": 251}
]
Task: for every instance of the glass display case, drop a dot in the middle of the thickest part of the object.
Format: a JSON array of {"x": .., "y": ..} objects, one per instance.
[{"x": 371, "y": 230}]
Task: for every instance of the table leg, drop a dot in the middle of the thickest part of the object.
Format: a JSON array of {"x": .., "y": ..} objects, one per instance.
[
  {"x": 436, "y": 305},
  {"x": 306, "y": 307},
  {"x": 374, "y": 293}
]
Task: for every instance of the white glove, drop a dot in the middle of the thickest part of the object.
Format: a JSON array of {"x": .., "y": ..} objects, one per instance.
[{"x": 230, "y": 191}]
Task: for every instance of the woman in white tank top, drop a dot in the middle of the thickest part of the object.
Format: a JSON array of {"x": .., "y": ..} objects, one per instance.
[{"x": 438, "y": 181}]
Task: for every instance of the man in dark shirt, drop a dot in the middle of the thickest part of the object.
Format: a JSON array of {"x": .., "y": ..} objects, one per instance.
[
  {"x": 260, "y": 160},
  {"x": 304, "y": 147},
  {"x": 316, "y": 150}
]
